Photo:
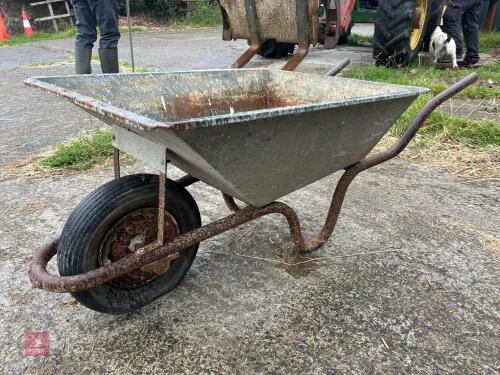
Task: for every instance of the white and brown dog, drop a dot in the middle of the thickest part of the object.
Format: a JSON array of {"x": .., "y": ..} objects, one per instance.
[{"x": 443, "y": 46}]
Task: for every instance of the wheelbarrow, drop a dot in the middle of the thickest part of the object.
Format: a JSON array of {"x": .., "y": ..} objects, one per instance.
[{"x": 254, "y": 134}]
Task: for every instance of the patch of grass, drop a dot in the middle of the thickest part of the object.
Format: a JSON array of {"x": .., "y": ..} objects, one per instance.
[
  {"x": 125, "y": 65},
  {"x": 444, "y": 128},
  {"x": 85, "y": 151},
  {"x": 435, "y": 79},
  {"x": 36, "y": 37},
  {"x": 489, "y": 41},
  {"x": 359, "y": 40},
  {"x": 203, "y": 15},
  {"x": 440, "y": 128}
]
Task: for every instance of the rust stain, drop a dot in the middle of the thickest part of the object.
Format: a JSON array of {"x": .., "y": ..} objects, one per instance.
[{"x": 195, "y": 106}]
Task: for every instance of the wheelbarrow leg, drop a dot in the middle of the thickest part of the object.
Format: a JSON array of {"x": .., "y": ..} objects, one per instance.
[
  {"x": 116, "y": 162},
  {"x": 163, "y": 265},
  {"x": 231, "y": 204}
]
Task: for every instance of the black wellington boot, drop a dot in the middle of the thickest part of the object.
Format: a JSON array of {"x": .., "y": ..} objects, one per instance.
[
  {"x": 109, "y": 60},
  {"x": 82, "y": 60}
]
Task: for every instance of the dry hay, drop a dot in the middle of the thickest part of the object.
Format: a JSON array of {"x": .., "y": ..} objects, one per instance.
[
  {"x": 469, "y": 165},
  {"x": 29, "y": 168}
]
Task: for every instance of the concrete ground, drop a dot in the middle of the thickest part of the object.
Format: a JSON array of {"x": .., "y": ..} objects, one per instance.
[{"x": 407, "y": 284}]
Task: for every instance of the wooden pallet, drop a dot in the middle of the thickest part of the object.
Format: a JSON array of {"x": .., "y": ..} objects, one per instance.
[{"x": 54, "y": 17}]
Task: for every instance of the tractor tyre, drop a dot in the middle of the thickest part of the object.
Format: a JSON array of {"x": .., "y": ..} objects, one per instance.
[
  {"x": 344, "y": 36},
  {"x": 272, "y": 49},
  {"x": 400, "y": 29}
]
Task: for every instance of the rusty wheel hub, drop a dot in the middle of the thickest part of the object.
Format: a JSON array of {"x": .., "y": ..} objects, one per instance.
[{"x": 129, "y": 234}]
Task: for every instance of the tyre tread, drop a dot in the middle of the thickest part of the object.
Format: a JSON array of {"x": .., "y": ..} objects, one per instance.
[{"x": 92, "y": 210}]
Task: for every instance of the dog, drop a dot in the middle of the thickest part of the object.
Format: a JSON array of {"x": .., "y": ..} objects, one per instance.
[{"x": 443, "y": 46}]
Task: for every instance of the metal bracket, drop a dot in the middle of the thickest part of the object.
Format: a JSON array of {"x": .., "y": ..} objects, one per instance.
[
  {"x": 255, "y": 41},
  {"x": 163, "y": 265},
  {"x": 332, "y": 41},
  {"x": 302, "y": 11},
  {"x": 140, "y": 147}
]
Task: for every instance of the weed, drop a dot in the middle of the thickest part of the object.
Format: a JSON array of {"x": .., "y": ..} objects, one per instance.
[
  {"x": 489, "y": 41},
  {"x": 422, "y": 74},
  {"x": 86, "y": 150},
  {"x": 444, "y": 128},
  {"x": 203, "y": 15},
  {"x": 37, "y": 37},
  {"x": 359, "y": 40}
]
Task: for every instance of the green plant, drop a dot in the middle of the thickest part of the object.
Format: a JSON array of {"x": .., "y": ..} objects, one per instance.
[
  {"x": 489, "y": 41},
  {"x": 203, "y": 15},
  {"x": 441, "y": 127},
  {"x": 359, "y": 40},
  {"x": 36, "y": 37},
  {"x": 88, "y": 149},
  {"x": 162, "y": 9},
  {"x": 435, "y": 79}
]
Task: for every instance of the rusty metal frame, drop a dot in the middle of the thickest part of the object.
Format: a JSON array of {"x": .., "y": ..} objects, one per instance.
[
  {"x": 338, "y": 68},
  {"x": 302, "y": 10},
  {"x": 150, "y": 254},
  {"x": 255, "y": 41},
  {"x": 331, "y": 42}
]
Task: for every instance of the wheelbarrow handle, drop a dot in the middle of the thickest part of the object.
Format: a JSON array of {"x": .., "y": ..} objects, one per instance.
[
  {"x": 338, "y": 68},
  {"x": 370, "y": 161},
  {"x": 417, "y": 122}
]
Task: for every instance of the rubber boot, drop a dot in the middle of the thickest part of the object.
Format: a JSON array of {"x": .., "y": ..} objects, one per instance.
[
  {"x": 82, "y": 60},
  {"x": 109, "y": 60}
]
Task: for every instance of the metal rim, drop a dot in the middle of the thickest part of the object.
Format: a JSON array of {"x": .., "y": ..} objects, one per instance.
[
  {"x": 130, "y": 233},
  {"x": 419, "y": 18}
]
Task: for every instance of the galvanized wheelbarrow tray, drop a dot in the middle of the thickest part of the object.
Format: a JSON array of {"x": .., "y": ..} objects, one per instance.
[{"x": 256, "y": 135}]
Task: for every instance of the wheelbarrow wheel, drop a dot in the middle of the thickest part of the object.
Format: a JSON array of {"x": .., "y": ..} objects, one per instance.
[{"x": 115, "y": 220}]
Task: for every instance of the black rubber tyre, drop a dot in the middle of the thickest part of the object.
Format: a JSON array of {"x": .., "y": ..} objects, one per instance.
[
  {"x": 102, "y": 212},
  {"x": 344, "y": 36},
  {"x": 434, "y": 21},
  {"x": 275, "y": 50},
  {"x": 393, "y": 26}
]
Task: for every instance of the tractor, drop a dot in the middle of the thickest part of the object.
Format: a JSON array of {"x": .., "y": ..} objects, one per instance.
[{"x": 274, "y": 27}]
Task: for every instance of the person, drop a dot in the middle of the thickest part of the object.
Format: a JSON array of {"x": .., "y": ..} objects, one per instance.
[
  {"x": 89, "y": 15},
  {"x": 463, "y": 15}
]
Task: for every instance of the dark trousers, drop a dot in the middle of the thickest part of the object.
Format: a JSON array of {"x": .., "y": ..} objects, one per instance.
[
  {"x": 92, "y": 13},
  {"x": 462, "y": 15}
]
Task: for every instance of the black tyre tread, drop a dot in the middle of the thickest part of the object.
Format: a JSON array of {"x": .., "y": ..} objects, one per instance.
[
  {"x": 343, "y": 38},
  {"x": 272, "y": 49},
  {"x": 392, "y": 33},
  {"x": 87, "y": 216},
  {"x": 403, "y": 17}
]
